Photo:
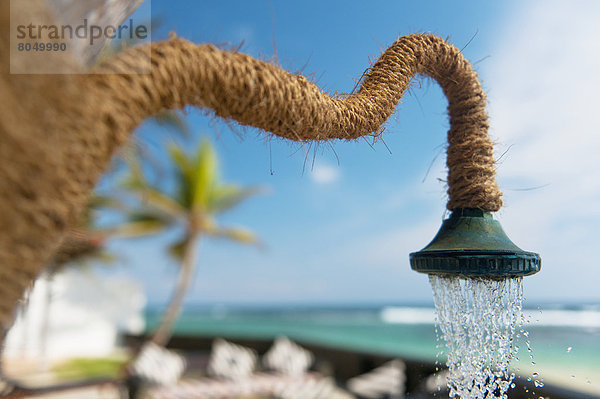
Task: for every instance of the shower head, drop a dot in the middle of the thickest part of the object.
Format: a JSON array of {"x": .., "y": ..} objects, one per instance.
[{"x": 471, "y": 243}]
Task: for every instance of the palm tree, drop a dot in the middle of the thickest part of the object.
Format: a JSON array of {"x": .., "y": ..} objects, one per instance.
[{"x": 199, "y": 198}]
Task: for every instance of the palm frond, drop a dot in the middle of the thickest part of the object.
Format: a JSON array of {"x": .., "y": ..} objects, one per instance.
[
  {"x": 227, "y": 196},
  {"x": 184, "y": 170},
  {"x": 154, "y": 198},
  {"x": 236, "y": 234},
  {"x": 177, "y": 249},
  {"x": 204, "y": 174},
  {"x": 174, "y": 120},
  {"x": 137, "y": 228},
  {"x": 182, "y": 163},
  {"x": 95, "y": 203},
  {"x": 99, "y": 201}
]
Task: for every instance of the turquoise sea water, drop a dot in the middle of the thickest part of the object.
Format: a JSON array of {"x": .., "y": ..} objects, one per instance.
[{"x": 565, "y": 341}]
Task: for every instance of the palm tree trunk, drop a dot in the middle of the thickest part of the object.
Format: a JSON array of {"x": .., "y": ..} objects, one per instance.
[{"x": 188, "y": 264}]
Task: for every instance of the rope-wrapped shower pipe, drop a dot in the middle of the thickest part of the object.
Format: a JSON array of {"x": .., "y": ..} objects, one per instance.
[
  {"x": 262, "y": 95},
  {"x": 59, "y": 132}
]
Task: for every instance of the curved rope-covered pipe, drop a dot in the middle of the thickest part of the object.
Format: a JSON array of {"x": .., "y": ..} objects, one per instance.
[
  {"x": 259, "y": 94},
  {"x": 58, "y": 133}
]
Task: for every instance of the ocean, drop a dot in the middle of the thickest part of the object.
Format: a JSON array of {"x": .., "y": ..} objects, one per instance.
[{"x": 565, "y": 339}]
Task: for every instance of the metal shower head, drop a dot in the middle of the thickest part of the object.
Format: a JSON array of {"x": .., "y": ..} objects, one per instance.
[{"x": 471, "y": 243}]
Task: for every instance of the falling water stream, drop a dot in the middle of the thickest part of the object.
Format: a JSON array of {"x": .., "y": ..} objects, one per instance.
[{"x": 478, "y": 318}]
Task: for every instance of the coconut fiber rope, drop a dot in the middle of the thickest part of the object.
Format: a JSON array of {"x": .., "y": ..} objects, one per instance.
[
  {"x": 255, "y": 93},
  {"x": 58, "y": 132}
]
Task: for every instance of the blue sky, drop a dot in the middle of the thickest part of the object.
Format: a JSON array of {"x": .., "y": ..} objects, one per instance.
[{"x": 341, "y": 233}]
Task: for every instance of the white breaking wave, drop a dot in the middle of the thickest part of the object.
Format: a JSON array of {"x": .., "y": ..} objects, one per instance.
[
  {"x": 408, "y": 315},
  {"x": 563, "y": 318},
  {"x": 550, "y": 318}
]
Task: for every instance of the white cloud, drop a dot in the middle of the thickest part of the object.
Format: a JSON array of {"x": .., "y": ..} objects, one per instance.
[
  {"x": 544, "y": 99},
  {"x": 325, "y": 174}
]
